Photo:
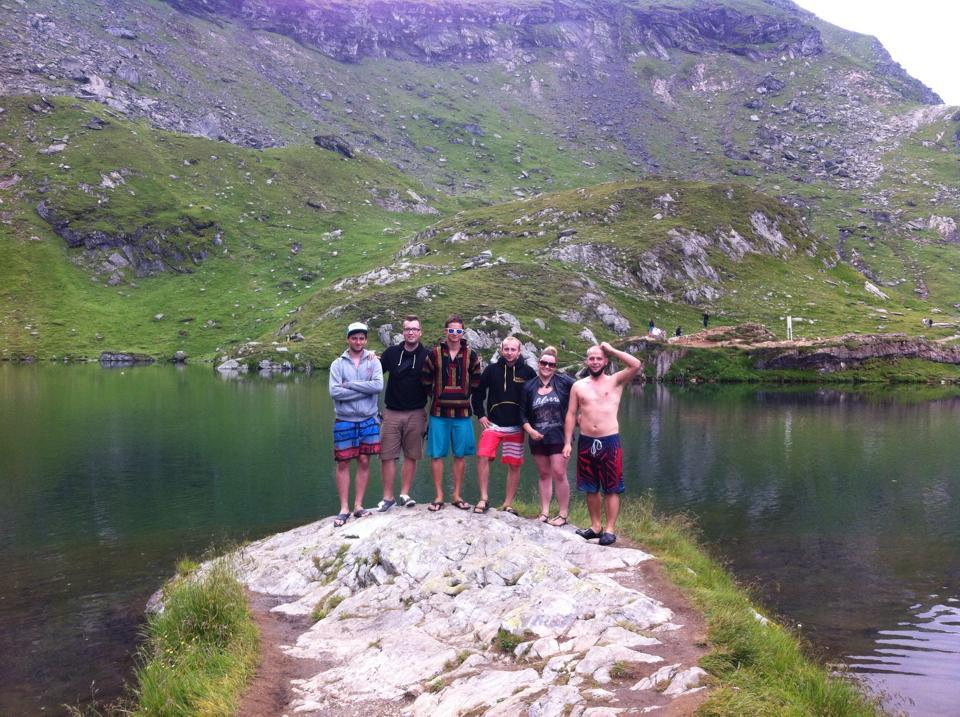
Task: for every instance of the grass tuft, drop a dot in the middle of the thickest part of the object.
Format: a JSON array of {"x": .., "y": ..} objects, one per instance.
[{"x": 201, "y": 651}]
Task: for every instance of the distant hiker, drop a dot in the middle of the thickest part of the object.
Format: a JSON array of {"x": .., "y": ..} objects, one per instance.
[
  {"x": 706, "y": 319},
  {"x": 594, "y": 402},
  {"x": 404, "y": 417},
  {"x": 650, "y": 327},
  {"x": 678, "y": 331},
  {"x": 563, "y": 344},
  {"x": 545, "y": 401},
  {"x": 356, "y": 381},
  {"x": 450, "y": 374},
  {"x": 498, "y": 403}
]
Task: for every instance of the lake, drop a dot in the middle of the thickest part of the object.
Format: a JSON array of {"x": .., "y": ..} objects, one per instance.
[{"x": 841, "y": 510}]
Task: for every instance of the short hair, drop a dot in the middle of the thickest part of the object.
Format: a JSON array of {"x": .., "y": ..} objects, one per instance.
[
  {"x": 453, "y": 319},
  {"x": 410, "y": 317},
  {"x": 549, "y": 351},
  {"x": 512, "y": 338}
]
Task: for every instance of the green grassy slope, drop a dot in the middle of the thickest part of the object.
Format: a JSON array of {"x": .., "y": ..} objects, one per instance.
[
  {"x": 255, "y": 240},
  {"x": 266, "y": 248}
]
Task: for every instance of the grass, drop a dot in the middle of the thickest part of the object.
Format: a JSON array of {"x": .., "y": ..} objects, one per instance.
[
  {"x": 506, "y": 642},
  {"x": 760, "y": 669},
  {"x": 201, "y": 651}
]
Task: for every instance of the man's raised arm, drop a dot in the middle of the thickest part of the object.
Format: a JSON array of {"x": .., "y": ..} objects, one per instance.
[{"x": 631, "y": 364}]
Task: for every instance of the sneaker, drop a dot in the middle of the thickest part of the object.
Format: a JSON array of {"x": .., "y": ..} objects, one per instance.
[
  {"x": 406, "y": 501},
  {"x": 588, "y": 533},
  {"x": 607, "y": 539},
  {"x": 384, "y": 505}
]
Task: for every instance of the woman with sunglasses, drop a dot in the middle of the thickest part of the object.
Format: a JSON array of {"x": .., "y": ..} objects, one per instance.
[{"x": 546, "y": 398}]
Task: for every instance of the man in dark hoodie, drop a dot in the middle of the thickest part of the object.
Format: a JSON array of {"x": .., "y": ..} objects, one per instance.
[
  {"x": 450, "y": 373},
  {"x": 404, "y": 417},
  {"x": 502, "y": 419}
]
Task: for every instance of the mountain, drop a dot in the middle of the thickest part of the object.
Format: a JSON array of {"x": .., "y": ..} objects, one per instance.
[{"x": 600, "y": 163}]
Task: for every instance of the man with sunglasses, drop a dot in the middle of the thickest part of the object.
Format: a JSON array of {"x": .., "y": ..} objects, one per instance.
[
  {"x": 450, "y": 374},
  {"x": 594, "y": 402},
  {"x": 498, "y": 403},
  {"x": 404, "y": 418}
]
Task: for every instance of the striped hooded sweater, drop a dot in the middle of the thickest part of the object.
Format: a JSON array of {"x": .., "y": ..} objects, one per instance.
[{"x": 451, "y": 381}]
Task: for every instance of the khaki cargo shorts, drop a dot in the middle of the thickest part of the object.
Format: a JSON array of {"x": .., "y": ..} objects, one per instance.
[{"x": 402, "y": 432}]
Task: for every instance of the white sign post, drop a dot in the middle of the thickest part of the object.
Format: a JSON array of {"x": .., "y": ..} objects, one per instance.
[{"x": 789, "y": 328}]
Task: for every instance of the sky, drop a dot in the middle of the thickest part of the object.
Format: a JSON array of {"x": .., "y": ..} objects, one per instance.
[{"x": 919, "y": 34}]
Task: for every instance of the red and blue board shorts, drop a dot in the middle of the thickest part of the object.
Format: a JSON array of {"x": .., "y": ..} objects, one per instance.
[
  {"x": 355, "y": 438},
  {"x": 600, "y": 464}
]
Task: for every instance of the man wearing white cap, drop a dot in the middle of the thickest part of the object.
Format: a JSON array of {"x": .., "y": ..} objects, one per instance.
[{"x": 356, "y": 380}]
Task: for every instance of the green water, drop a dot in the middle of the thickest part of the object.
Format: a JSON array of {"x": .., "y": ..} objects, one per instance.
[{"x": 840, "y": 508}]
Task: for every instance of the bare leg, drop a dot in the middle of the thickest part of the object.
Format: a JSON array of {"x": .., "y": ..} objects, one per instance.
[
  {"x": 594, "y": 507},
  {"x": 459, "y": 468},
  {"x": 388, "y": 469},
  {"x": 483, "y": 477},
  {"x": 363, "y": 477},
  {"x": 612, "y": 505},
  {"x": 407, "y": 473},
  {"x": 513, "y": 482},
  {"x": 546, "y": 483},
  {"x": 343, "y": 485},
  {"x": 558, "y": 468},
  {"x": 437, "y": 467}
]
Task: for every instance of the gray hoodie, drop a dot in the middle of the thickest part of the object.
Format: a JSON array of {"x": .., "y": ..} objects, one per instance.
[{"x": 355, "y": 389}]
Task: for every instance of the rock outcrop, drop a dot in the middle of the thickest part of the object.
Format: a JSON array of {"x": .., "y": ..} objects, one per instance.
[
  {"x": 427, "y": 614},
  {"x": 851, "y": 351}
]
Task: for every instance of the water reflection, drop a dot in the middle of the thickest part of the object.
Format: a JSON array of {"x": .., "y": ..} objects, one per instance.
[{"x": 920, "y": 657}]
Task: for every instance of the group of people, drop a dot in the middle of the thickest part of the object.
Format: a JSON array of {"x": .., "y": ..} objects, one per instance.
[{"x": 510, "y": 399}]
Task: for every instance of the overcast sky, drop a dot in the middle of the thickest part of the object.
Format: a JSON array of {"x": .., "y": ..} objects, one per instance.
[{"x": 920, "y": 34}]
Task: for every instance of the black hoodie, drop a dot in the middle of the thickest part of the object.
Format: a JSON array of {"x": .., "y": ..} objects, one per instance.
[
  {"x": 405, "y": 391},
  {"x": 501, "y": 386}
]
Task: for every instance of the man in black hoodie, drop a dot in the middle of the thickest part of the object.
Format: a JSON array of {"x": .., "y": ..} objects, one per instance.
[
  {"x": 404, "y": 417},
  {"x": 501, "y": 389}
]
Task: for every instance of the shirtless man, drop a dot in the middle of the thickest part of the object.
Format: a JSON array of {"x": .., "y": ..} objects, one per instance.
[{"x": 596, "y": 398}]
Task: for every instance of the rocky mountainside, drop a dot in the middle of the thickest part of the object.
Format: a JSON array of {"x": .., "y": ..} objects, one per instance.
[{"x": 436, "y": 106}]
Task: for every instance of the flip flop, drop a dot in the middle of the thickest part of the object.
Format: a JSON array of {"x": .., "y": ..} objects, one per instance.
[
  {"x": 482, "y": 506},
  {"x": 435, "y": 506},
  {"x": 509, "y": 509},
  {"x": 361, "y": 513},
  {"x": 461, "y": 504},
  {"x": 341, "y": 520},
  {"x": 558, "y": 521}
]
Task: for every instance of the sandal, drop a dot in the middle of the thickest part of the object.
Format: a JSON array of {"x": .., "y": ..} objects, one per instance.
[
  {"x": 482, "y": 506},
  {"x": 341, "y": 520},
  {"x": 435, "y": 506},
  {"x": 361, "y": 513},
  {"x": 558, "y": 521},
  {"x": 509, "y": 509},
  {"x": 461, "y": 504},
  {"x": 543, "y": 518}
]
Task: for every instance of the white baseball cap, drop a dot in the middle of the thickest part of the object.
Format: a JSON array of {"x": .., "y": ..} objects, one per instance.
[{"x": 357, "y": 326}]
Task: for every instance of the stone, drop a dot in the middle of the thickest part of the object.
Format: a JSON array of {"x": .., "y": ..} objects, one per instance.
[
  {"x": 599, "y": 660},
  {"x": 334, "y": 143},
  {"x": 686, "y": 681},
  {"x": 417, "y": 589},
  {"x": 658, "y": 679}
]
